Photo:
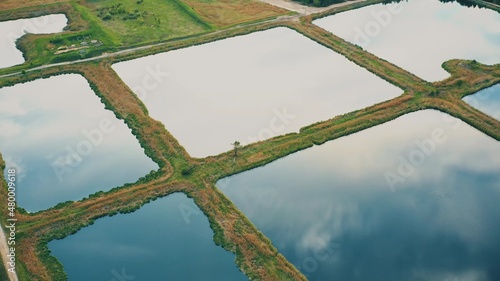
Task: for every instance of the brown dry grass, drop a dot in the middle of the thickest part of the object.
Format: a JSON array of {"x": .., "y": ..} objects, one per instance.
[
  {"x": 250, "y": 243},
  {"x": 126, "y": 104},
  {"x": 88, "y": 210},
  {"x": 393, "y": 74},
  {"x": 257, "y": 251},
  {"x": 26, "y": 252},
  {"x": 224, "y": 13},
  {"x": 259, "y": 257},
  {"x": 119, "y": 96},
  {"x": 256, "y": 255},
  {"x": 16, "y": 4}
]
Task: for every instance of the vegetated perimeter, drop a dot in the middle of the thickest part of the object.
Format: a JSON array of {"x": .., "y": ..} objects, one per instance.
[{"x": 255, "y": 254}]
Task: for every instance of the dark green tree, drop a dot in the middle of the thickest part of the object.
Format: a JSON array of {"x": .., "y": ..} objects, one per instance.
[{"x": 236, "y": 146}]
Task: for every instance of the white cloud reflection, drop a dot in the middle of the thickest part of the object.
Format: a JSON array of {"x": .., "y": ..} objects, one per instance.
[
  {"x": 55, "y": 113},
  {"x": 10, "y": 31},
  {"x": 337, "y": 192},
  {"x": 424, "y": 34},
  {"x": 229, "y": 90}
]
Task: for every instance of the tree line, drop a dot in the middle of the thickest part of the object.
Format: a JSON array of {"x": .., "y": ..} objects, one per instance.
[{"x": 324, "y": 3}]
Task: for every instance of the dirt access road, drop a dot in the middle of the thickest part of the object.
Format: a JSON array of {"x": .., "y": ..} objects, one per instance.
[
  {"x": 4, "y": 251},
  {"x": 135, "y": 49},
  {"x": 305, "y": 10},
  {"x": 286, "y": 4}
]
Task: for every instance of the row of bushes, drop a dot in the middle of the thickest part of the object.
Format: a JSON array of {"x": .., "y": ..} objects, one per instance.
[
  {"x": 324, "y": 3},
  {"x": 319, "y": 3}
]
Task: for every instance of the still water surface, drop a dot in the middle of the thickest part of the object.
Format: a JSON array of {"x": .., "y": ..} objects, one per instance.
[
  {"x": 12, "y": 30},
  {"x": 413, "y": 199},
  {"x": 419, "y": 35},
  {"x": 486, "y": 100},
  {"x": 169, "y": 239},
  {"x": 63, "y": 143},
  {"x": 249, "y": 88}
]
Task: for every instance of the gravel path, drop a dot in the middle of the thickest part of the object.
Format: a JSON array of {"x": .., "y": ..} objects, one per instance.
[
  {"x": 305, "y": 10},
  {"x": 4, "y": 251}
]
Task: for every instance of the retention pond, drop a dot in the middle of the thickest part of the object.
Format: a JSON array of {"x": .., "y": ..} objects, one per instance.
[
  {"x": 169, "y": 239},
  {"x": 249, "y": 88},
  {"x": 63, "y": 143},
  {"x": 412, "y": 199},
  {"x": 420, "y": 35},
  {"x": 12, "y": 30}
]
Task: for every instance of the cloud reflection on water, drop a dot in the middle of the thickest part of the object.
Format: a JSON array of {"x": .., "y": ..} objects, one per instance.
[
  {"x": 423, "y": 35},
  {"x": 47, "y": 117},
  {"x": 441, "y": 219}
]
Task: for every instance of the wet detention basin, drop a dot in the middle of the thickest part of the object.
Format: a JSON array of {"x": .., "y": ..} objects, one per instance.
[
  {"x": 419, "y": 35},
  {"x": 412, "y": 199},
  {"x": 486, "y": 100},
  {"x": 249, "y": 88},
  {"x": 63, "y": 144},
  {"x": 169, "y": 239},
  {"x": 11, "y": 31}
]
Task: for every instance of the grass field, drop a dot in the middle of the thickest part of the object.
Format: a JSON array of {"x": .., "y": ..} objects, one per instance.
[
  {"x": 223, "y": 13},
  {"x": 114, "y": 24},
  {"x": 16, "y": 4},
  {"x": 41, "y": 49},
  {"x": 255, "y": 254},
  {"x": 134, "y": 22}
]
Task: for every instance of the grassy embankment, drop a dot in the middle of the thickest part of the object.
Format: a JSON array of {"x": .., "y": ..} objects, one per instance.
[
  {"x": 133, "y": 22},
  {"x": 17, "y": 4},
  {"x": 225, "y": 13},
  {"x": 254, "y": 250},
  {"x": 493, "y": 5},
  {"x": 39, "y": 49},
  {"x": 122, "y": 24},
  {"x": 256, "y": 256}
]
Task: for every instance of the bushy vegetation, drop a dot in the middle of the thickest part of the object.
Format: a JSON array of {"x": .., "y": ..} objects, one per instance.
[
  {"x": 468, "y": 3},
  {"x": 118, "y": 12},
  {"x": 3, "y": 273},
  {"x": 255, "y": 254},
  {"x": 113, "y": 24},
  {"x": 324, "y": 3},
  {"x": 465, "y": 3},
  {"x": 139, "y": 22},
  {"x": 53, "y": 265},
  {"x": 319, "y": 3},
  {"x": 225, "y": 13}
]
